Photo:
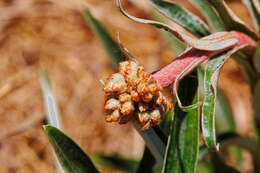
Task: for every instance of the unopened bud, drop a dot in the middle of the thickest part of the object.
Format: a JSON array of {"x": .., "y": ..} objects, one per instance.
[
  {"x": 124, "y": 97},
  {"x": 127, "y": 108},
  {"x": 115, "y": 115},
  {"x": 143, "y": 117},
  {"x": 155, "y": 116},
  {"x": 112, "y": 104}
]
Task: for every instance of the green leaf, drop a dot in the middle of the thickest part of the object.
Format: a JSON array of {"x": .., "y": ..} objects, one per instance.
[
  {"x": 71, "y": 156},
  {"x": 115, "y": 162},
  {"x": 50, "y": 103},
  {"x": 230, "y": 20},
  {"x": 224, "y": 119},
  {"x": 172, "y": 161},
  {"x": 210, "y": 15},
  {"x": 208, "y": 107},
  {"x": 147, "y": 163},
  {"x": 112, "y": 48},
  {"x": 165, "y": 124},
  {"x": 153, "y": 142},
  {"x": 224, "y": 116},
  {"x": 176, "y": 45},
  {"x": 179, "y": 158},
  {"x": 213, "y": 68},
  {"x": 253, "y": 6},
  {"x": 182, "y": 16},
  {"x": 189, "y": 139},
  {"x": 216, "y": 42}
]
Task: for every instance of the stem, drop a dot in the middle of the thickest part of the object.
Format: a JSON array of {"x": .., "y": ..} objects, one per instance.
[{"x": 191, "y": 58}]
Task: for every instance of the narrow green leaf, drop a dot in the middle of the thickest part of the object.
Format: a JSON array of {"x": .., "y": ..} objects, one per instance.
[
  {"x": 230, "y": 20},
  {"x": 175, "y": 159},
  {"x": 213, "y": 68},
  {"x": 153, "y": 142},
  {"x": 176, "y": 45},
  {"x": 172, "y": 161},
  {"x": 208, "y": 107},
  {"x": 50, "y": 104},
  {"x": 115, "y": 162},
  {"x": 147, "y": 163},
  {"x": 51, "y": 108},
  {"x": 112, "y": 48},
  {"x": 189, "y": 139},
  {"x": 116, "y": 55},
  {"x": 71, "y": 156},
  {"x": 210, "y": 15},
  {"x": 165, "y": 124},
  {"x": 253, "y": 6},
  {"x": 182, "y": 16},
  {"x": 216, "y": 42},
  {"x": 224, "y": 118}
]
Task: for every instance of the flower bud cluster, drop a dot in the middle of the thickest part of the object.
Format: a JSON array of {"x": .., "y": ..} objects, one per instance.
[{"x": 132, "y": 95}]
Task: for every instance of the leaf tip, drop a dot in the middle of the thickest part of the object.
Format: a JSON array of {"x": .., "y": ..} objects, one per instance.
[
  {"x": 86, "y": 11},
  {"x": 47, "y": 128}
]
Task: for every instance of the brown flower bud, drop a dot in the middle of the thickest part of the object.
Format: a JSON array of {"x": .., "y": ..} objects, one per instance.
[
  {"x": 154, "y": 88},
  {"x": 155, "y": 116},
  {"x": 143, "y": 117},
  {"x": 112, "y": 104},
  {"x": 124, "y": 97},
  {"x": 115, "y": 115},
  {"x": 135, "y": 96},
  {"x": 142, "y": 88},
  {"x": 159, "y": 98},
  {"x": 131, "y": 95},
  {"x": 127, "y": 108},
  {"x": 116, "y": 83},
  {"x": 147, "y": 97},
  {"x": 143, "y": 107}
]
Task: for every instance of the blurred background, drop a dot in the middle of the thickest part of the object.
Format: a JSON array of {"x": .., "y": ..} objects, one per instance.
[{"x": 54, "y": 34}]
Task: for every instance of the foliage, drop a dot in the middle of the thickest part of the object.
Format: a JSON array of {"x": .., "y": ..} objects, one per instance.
[{"x": 173, "y": 145}]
